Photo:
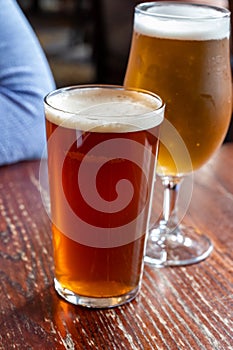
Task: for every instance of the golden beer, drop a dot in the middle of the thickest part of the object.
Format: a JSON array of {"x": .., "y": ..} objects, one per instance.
[{"x": 187, "y": 63}]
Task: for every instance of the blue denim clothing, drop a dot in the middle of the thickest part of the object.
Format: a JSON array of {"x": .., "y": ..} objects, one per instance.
[{"x": 25, "y": 78}]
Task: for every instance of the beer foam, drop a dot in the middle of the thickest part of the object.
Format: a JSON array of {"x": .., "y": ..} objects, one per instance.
[
  {"x": 182, "y": 21},
  {"x": 104, "y": 109}
]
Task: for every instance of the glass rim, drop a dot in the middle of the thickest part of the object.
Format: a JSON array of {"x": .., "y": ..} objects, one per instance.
[
  {"x": 142, "y": 8},
  {"x": 128, "y": 118}
]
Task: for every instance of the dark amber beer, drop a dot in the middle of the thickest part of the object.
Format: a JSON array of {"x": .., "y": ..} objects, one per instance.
[
  {"x": 102, "y": 147},
  {"x": 181, "y": 52}
]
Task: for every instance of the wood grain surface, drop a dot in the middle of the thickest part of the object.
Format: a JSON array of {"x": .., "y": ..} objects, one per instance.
[{"x": 178, "y": 308}]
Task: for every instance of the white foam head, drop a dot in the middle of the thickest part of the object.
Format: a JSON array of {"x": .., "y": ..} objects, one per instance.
[
  {"x": 182, "y": 21},
  {"x": 103, "y": 109}
]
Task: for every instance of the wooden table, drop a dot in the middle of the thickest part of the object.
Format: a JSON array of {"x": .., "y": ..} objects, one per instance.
[{"x": 178, "y": 308}]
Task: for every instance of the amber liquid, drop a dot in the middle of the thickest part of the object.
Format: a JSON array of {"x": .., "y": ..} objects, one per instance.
[
  {"x": 96, "y": 271},
  {"x": 194, "y": 80}
]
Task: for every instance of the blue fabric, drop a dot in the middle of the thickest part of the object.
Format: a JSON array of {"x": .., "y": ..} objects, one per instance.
[{"x": 25, "y": 78}]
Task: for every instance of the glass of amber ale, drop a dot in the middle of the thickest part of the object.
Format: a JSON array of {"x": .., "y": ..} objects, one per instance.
[
  {"x": 102, "y": 146},
  {"x": 181, "y": 51}
]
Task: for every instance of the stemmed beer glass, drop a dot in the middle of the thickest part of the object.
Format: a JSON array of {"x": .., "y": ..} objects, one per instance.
[{"x": 182, "y": 52}]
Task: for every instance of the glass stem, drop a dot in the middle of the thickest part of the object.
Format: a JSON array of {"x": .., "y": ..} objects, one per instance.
[{"x": 169, "y": 220}]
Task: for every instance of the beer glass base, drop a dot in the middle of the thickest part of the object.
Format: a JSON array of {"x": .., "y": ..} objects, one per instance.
[
  {"x": 184, "y": 246},
  {"x": 92, "y": 302}
]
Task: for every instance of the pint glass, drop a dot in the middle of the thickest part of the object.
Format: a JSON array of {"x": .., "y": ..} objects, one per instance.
[{"x": 102, "y": 146}]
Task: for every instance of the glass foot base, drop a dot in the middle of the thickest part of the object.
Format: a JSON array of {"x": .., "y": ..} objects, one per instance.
[
  {"x": 181, "y": 247},
  {"x": 93, "y": 302}
]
